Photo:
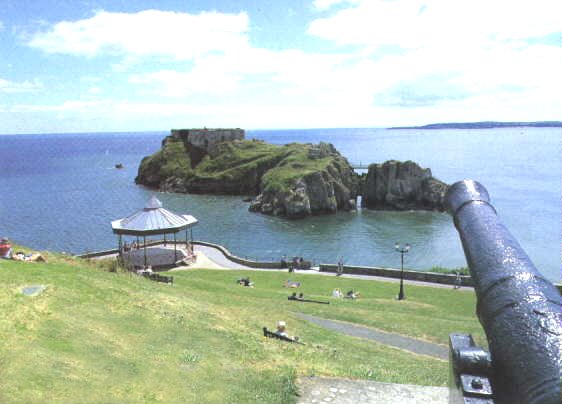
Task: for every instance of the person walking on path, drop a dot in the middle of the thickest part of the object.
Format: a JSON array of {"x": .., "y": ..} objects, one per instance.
[
  {"x": 340, "y": 267},
  {"x": 458, "y": 280}
]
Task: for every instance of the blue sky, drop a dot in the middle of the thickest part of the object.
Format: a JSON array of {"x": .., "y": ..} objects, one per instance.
[{"x": 84, "y": 66}]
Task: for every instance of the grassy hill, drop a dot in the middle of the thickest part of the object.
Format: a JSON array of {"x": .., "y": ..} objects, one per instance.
[{"x": 97, "y": 336}]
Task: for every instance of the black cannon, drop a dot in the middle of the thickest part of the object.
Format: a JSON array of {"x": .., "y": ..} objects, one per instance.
[{"x": 518, "y": 308}]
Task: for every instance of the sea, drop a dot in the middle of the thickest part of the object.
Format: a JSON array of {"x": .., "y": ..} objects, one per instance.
[{"x": 60, "y": 192}]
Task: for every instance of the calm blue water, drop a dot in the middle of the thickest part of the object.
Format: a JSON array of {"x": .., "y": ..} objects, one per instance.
[{"x": 60, "y": 192}]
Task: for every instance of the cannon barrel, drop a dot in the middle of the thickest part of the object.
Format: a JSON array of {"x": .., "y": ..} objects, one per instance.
[{"x": 518, "y": 308}]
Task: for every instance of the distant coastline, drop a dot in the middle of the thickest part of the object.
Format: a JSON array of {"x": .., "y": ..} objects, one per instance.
[{"x": 485, "y": 125}]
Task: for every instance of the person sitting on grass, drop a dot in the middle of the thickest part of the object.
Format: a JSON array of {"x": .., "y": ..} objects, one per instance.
[
  {"x": 291, "y": 284},
  {"x": 295, "y": 297},
  {"x": 33, "y": 257},
  {"x": 282, "y": 331},
  {"x": 5, "y": 248},
  {"x": 352, "y": 295},
  {"x": 336, "y": 293},
  {"x": 245, "y": 282}
]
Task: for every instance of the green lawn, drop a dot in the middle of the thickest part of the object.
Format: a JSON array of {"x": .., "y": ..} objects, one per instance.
[{"x": 96, "y": 336}]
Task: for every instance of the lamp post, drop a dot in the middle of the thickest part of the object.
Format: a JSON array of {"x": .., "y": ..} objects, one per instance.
[{"x": 402, "y": 251}]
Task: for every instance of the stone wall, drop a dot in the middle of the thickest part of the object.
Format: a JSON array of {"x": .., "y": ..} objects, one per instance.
[
  {"x": 431, "y": 277},
  {"x": 207, "y": 139}
]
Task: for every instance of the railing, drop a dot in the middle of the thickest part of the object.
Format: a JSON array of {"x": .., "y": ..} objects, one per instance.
[
  {"x": 519, "y": 309},
  {"x": 359, "y": 166}
]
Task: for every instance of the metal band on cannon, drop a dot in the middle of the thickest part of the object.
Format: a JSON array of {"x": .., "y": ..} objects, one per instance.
[{"x": 519, "y": 309}]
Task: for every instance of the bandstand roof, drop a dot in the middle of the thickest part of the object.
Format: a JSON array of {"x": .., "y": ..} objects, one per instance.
[{"x": 153, "y": 219}]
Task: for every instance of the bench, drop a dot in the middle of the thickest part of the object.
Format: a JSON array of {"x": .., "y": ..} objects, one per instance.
[
  {"x": 158, "y": 278},
  {"x": 271, "y": 334},
  {"x": 302, "y": 299},
  {"x": 304, "y": 265}
]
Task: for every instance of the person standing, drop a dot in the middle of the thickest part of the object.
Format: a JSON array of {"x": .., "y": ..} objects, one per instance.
[
  {"x": 340, "y": 267},
  {"x": 458, "y": 280}
]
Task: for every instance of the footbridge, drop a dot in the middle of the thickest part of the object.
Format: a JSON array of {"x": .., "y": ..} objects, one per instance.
[{"x": 359, "y": 166}]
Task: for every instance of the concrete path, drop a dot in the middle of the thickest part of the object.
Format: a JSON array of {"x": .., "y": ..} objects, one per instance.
[
  {"x": 215, "y": 259},
  {"x": 395, "y": 340},
  {"x": 316, "y": 390},
  {"x": 218, "y": 257}
]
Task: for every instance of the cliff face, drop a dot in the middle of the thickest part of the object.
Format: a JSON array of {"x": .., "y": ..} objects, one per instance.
[
  {"x": 396, "y": 185},
  {"x": 329, "y": 184},
  {"x": 235, "y": 168}
]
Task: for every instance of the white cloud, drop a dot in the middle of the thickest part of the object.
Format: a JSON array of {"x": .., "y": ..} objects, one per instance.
[
  {"x": 7, "y": 86},
  {"x": 250, "y": 70},
  {"x": 435, "y": 51},
  {"x": 400, "y": 62},
  {"x": 72, "y": 106},
  {"x": 182, "y": 84},
  {"x": 181, "y": 36},
  {"x": 417, "y": 23}
]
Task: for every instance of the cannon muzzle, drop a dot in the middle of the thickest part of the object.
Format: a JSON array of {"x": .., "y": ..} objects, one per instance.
[{"x": 519, "y": 309}]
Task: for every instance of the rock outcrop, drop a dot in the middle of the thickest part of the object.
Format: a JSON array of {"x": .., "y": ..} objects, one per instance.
[
  {"x": 294, "y": 180},
  {"x": 396, "y": 185},
  {"x": 331, "y": 187}
]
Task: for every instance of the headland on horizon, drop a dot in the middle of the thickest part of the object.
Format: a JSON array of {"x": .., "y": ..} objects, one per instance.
[{"x": 484, "y": 125}]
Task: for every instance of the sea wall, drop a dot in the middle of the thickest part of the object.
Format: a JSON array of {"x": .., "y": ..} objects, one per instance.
[
  {"x": 432, "y": 277},
  {"x": 238, "y": 260}
]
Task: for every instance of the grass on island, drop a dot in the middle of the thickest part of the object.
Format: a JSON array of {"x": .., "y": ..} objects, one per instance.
[
  {"x": 170, "y": 160},
  {"x": 240, "y": 154},
  {"x": 238, "y": 161},
  {"x": 97, "y": 336},
  {"x": 283, "y": 164}
]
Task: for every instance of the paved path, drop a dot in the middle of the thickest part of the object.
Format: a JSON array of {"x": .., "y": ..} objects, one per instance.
[
  {"x": 219, "y": 261},
  {"x": 218, "y": 257},
  {"x": 395, "y": 340},
  {"x": 326, "y": 390}
]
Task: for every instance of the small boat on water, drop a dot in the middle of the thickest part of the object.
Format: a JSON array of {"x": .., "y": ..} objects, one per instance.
[{"x": 119, "y": 166}]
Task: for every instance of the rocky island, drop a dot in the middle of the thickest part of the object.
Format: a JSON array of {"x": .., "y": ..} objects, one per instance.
[
  {"x": 294, "y": 180},
  {"x": 396, "y": 185}
]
